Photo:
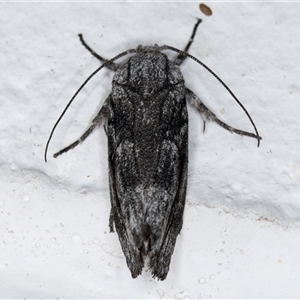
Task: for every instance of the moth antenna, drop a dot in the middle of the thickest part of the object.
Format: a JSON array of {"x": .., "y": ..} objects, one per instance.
[
  {"x": 77, "y": 92},
  {"x": 166, "y": 47}
]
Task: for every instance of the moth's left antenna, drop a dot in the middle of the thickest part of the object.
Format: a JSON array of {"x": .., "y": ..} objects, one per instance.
[{"x": 77, "y": 92}]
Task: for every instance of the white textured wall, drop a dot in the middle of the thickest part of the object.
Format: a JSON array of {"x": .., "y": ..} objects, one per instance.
[{"x": 241, "y": 225}]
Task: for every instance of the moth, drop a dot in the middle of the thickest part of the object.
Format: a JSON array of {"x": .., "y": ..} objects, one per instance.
[{"x": 146, "y": 121}]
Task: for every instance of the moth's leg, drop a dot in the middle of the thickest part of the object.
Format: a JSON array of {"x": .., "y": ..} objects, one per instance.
[
  {"x": 180, "y": 58},
  {"x": 111, "y": 220},
  {"x": 98, "y": 120},
  {"x": 112, "y": 66},
  {"x": 210, "y": 116}
]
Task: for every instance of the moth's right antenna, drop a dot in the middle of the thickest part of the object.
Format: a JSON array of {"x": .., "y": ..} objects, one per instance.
[{"x": 166, "y": 47}]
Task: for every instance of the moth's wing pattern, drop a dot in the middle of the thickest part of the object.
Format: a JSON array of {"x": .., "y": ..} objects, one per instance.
[
  {"x": 148, "y": 155},
  {"x": 118, "y": 217},
  {"x": 160, "y": 256},
  {"x": 134, "y": 258},
  {"x": 119, "y": 151}
]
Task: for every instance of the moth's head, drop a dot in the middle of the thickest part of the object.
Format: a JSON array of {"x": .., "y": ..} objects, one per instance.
[
  {"x": 147, "y": 49},
  {"x": 146, "y": 72}
]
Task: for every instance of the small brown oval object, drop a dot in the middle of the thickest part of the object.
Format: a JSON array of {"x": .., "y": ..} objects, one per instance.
[{"x": 205, "y": 9}]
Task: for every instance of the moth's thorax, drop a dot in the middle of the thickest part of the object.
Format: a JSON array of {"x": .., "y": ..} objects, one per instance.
[{"x": 148, "y": 72}]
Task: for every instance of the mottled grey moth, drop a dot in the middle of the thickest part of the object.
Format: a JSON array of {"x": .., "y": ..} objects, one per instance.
[{"x": 146, "y": 121}]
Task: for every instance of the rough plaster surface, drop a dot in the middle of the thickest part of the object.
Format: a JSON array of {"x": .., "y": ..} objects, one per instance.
[{"x": 241, "y": 225}]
